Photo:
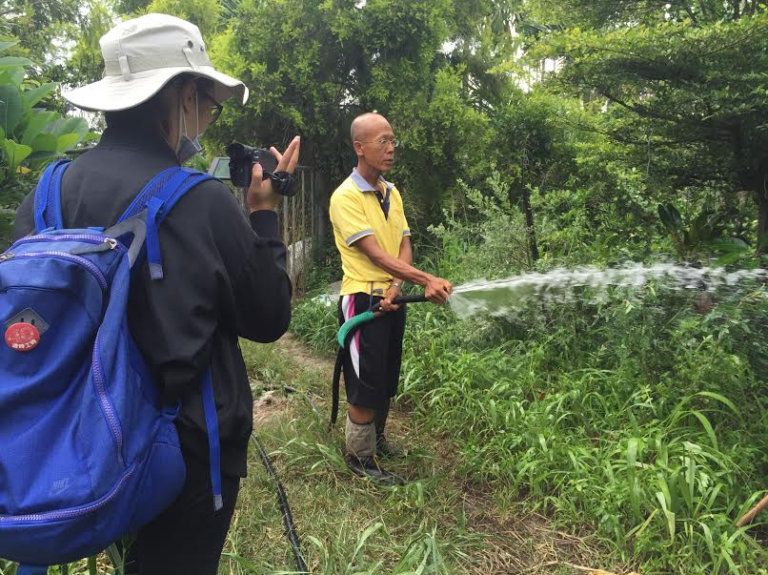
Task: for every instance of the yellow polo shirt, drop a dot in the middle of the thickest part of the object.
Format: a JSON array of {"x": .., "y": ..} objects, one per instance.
[{"x": 356, "y": 212}]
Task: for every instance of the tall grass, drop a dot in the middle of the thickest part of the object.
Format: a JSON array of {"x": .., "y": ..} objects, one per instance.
[
  {"x": 647, "y": 421},
  {"x": 421, "y": 556},
  {"x": 638, "y": 416}
]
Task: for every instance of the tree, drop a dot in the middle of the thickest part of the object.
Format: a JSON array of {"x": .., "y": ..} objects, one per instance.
[
  {"x": 604, "y": 14},
  {"x": 205, "y": 14},
  {"x": 687, "y": 94},
  {"x": 315, "y": 65},
  {"x": 85, "y": 63}
]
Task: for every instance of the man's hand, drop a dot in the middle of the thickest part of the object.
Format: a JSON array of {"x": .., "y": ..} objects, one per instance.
[
  {"x": 437, "y": 290},
  {"x": 392, "y": 293},
  {"x": 260, "y": 193}
]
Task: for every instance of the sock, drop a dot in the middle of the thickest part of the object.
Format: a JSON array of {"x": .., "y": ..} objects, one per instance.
[{"x": 361, "y": 439}]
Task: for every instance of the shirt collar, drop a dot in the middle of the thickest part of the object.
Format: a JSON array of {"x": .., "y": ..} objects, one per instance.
[{"x": 363, "y": 185}]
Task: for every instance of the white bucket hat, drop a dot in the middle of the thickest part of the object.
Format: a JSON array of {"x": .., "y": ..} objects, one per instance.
[{"x": 142, "y": 55}]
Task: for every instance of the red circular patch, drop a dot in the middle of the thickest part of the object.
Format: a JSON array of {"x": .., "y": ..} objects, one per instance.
[{"x": 22, "y": 336}]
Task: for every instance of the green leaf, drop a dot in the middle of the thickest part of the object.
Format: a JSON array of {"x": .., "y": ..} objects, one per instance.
[
  {"x": 729, "y": 246},
  {"x": 708, "y": 538},
  {"x": 728, "y": 259},
  {"x": 70, "y": 125},
  {"x": 45, "y": 143},
  {"x": 37, "y": 125},
  {"x": 705, "y": 227},
  {"x": 5, "y": 45},
  {"x": 11, "y": 107},
  {"x": 115, "y": 556},
  {"x": 36, "y": 94},
  {"x": 13, "y": 61},
  {"x": 721, "y": 399},
  {"x": 39, "y": 160},
  {"x": 362, "y": 539},
  {"x": 728, "y": 559},
  {"x": 632, "y": 448},
  {"x": 242, "y": 561},
  {"x": 670, "y": 217},
  {"x": 67, "y": 142},
  {"x": 637, "y": 531},
  {"x": 634, "y": 492},
  {"x": 707, "y": 427},
  {"x": 13, "y": 76},
  {"x": 14, "y": 154}
]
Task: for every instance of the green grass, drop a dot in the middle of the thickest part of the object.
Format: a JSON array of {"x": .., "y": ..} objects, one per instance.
[
  {"x": 347, "y": 525},
  {"x": 640, "y": 421},
  {"x": 440, "y": 523}
]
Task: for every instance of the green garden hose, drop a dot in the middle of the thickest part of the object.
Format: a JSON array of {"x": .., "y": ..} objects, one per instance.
[
  {"x": 351, "y": 325},
  {"x": 346, "y": 331}
]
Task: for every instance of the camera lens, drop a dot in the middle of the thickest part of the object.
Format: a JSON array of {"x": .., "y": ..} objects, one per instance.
[{"x": 237, "y": 151}]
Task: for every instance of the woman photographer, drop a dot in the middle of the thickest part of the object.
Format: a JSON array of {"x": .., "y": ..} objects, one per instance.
[{"x": 224, "y": 275}]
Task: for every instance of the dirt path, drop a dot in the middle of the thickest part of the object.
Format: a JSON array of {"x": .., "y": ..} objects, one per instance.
[{"x": 484, "y": 536}]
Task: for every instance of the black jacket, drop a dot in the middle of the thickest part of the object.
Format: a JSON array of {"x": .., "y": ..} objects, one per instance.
[{"x": 224, "y": 279}]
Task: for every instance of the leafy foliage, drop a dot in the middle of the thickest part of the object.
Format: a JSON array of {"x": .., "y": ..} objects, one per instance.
[
  {"x": 644, "y": 419},
  {"x": 30, "y": 135},
  {"x": 690, "y": 98}
]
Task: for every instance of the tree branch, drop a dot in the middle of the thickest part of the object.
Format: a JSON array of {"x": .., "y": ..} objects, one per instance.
[
  {"x": 630, "y": 141},
  {"x": 702, "y": 7},
  {"x": 691, "y": 13},
  {"x": 643, "y": 112}
]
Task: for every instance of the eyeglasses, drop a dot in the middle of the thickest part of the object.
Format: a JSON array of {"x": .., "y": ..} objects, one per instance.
[
  {"x": 383, "y": 143},
  {"x": 215, "y": 109}
]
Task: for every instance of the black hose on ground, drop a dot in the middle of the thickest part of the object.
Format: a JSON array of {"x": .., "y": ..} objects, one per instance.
[
  {"x": 337, "y": 366},
  {"x": 282, "y": 499}
]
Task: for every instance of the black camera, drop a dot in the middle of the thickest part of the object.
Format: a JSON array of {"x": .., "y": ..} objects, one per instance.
[{"x": 241, "y": 161}]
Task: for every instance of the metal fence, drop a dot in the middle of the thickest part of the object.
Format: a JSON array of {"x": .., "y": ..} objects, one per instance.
[
  {"x": 299, "y": 218},
  {"x": 301, "y": 221}
]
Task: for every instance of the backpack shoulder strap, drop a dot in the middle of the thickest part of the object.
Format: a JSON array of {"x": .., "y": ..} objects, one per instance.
[
  {"x": 48, "y": 197},
  {"x": 214, "y": 444},
  {"x": 157, "y": 198}
]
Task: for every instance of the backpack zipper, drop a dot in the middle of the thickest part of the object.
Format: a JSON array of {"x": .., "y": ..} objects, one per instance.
[
  {"x": 87, "y": 238},
  {"x": 86, "y": 263},
  {"x": 106, "y": 404}
]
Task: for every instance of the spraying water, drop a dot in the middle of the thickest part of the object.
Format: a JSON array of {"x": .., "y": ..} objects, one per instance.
[{"x": 501, "y": 297}]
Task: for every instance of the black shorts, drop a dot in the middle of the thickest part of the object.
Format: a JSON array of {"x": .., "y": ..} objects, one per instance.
[{"x": 372, "y": 361}]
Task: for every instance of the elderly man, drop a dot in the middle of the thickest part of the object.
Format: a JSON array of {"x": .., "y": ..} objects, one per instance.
[{"x": 373, "y": 238}]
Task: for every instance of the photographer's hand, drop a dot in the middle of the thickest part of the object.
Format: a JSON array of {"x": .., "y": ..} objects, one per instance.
[{"x": 261, "y": 196}]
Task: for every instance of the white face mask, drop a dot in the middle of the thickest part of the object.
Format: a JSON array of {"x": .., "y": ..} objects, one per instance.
[{"x": 187, "y": 147}]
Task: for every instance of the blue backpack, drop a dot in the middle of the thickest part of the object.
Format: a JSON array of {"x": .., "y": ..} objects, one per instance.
[{"x": 88, "y": 453}]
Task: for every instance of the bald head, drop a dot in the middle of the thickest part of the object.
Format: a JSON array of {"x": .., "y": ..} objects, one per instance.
[
  {"x": 374, "y": 143},
  {"x": 366, "y": 125}
]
